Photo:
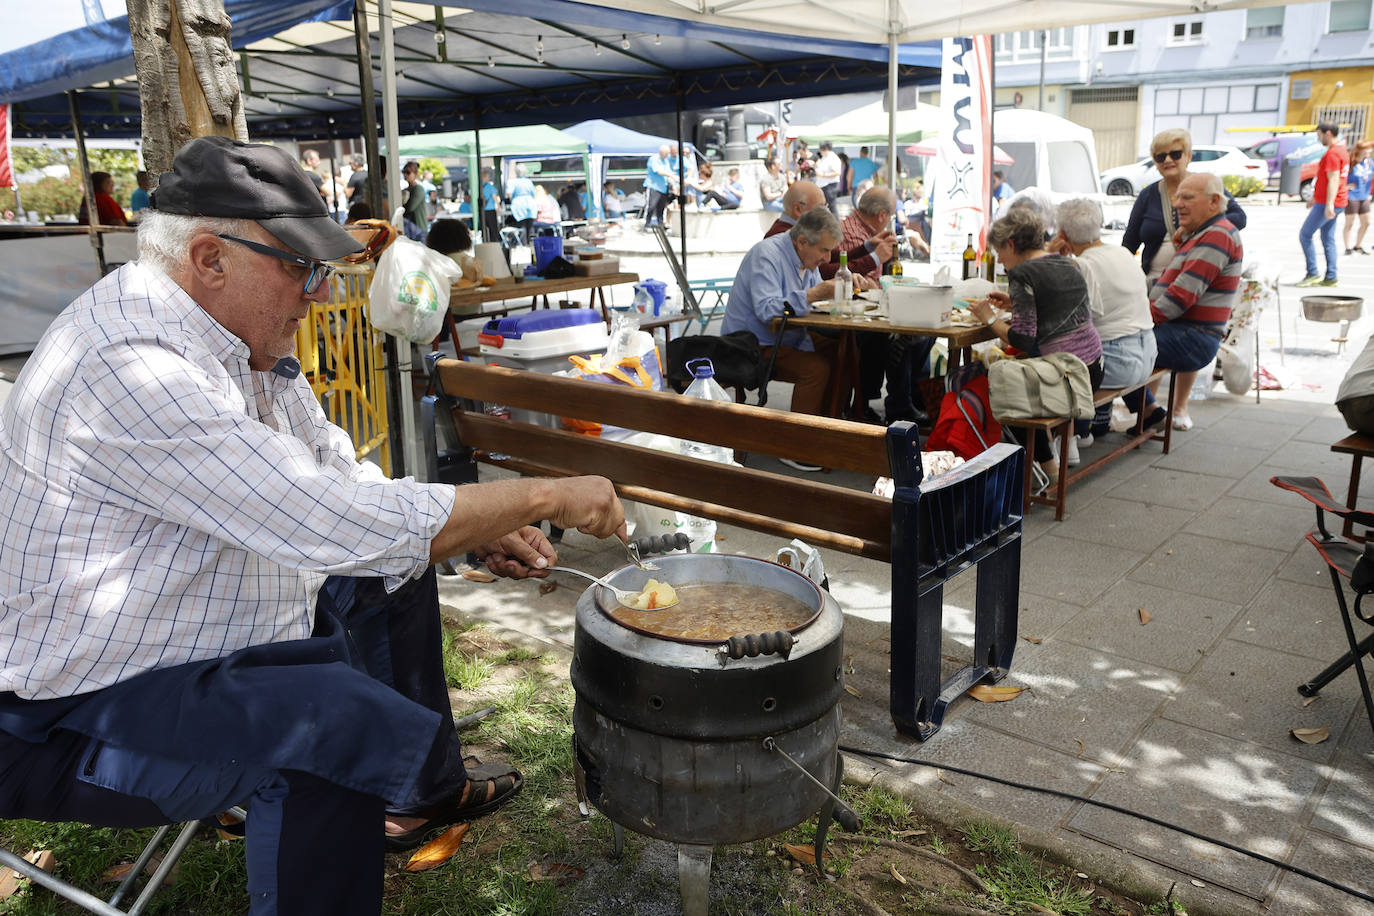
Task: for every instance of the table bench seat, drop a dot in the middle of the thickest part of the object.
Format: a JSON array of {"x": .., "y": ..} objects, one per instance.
[{"x": 1062, "y": 427}]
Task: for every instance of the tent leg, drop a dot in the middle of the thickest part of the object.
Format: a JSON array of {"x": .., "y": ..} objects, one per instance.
[{"x": 681, "y": 180}]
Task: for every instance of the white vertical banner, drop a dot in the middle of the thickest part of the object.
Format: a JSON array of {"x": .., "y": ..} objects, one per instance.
[{"x": 961, "y": 173}]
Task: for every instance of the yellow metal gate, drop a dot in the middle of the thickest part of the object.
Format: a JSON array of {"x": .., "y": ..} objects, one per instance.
[{"x": 342, "y": 356}]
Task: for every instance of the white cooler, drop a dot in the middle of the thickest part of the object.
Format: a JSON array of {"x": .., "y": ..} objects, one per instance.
[{"x": 542, "y": 341}]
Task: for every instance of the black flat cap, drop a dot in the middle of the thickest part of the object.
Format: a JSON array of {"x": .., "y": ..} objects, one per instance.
[{"x": 217, "y": 176}]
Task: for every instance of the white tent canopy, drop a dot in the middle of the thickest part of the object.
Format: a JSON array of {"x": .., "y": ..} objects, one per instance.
[{"x": 872, "y": 20}]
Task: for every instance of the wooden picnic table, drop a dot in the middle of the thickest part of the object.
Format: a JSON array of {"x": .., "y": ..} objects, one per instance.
[{"x": 848, "y": 389}]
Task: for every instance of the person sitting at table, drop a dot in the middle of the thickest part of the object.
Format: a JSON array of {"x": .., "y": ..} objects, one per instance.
[
  {"x": 804, "y": 196},
  {"x": 1119, "y": 303},
  {"x": 612, "y": 202},
  {"x": 782, "y": 273},
  {"x": 546, "y": 212},
  {"x": 107, "y": 209},
  {"x": 1048, "y": 301}
]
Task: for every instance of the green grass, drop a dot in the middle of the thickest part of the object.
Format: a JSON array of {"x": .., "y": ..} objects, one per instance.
[
  {"x": 999, "y": 842},
  {"x": 1020, "y": 880},
  {"x": 462, "y": 670},
  {"x": 876, "y": 807}
]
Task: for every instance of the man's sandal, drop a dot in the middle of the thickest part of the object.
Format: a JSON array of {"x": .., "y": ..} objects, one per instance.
[{"x": 486, "y": 793}]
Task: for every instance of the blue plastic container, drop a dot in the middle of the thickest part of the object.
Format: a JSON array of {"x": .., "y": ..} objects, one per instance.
[
  {"x": 546, "y": 248},
  {"x": 657, "y": 290}
]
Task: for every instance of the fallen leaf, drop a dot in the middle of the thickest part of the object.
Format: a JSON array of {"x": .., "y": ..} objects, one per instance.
[
  {"x": 438, "y": 850},
  {"x": 903, "y": 834},
  {"x": 1311, "y": 735},
  {"x": 1310, "y": 700},
  {"x": 1000, "y": 693},
  {"x": 803, "y": 854},
  {"x": 559, "y": 873},
  {"x": 1034, "y": 640},
  {"x": 1081, "y": 748},
  {"x": 478, "y": 575},
  {"x": 852, "y": 690},
  {"x": 940, "y": 775},
  {"x": 1144, "y": 616},
  {"x": 1079, "y": 874},
  {"x": 547, "y": 587},
  {"x": 1196, "y": 883},
  {"x": 115, "y": 873},
  {"x": 892, "y": 869},
  {"x": 1169, "y": 552},
  {"x": 9, "y": 878}
]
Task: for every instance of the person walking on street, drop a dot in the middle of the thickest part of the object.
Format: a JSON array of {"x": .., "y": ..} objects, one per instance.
[
  {"x": 828, "y": 171},
  {"x": 1329, "y": 197},
  {"x": 1357, "y": 189}
]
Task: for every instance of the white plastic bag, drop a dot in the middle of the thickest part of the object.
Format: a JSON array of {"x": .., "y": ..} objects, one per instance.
[{"x": 410, "y": 289}]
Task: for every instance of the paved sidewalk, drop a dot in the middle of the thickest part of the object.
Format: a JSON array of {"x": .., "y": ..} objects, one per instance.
[{"x": 1185, "y": 718}]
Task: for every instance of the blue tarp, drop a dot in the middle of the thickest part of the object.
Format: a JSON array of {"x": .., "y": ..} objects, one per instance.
[
  {"x": 100, "y": 49},
  {"x": 613, "y": 140}
]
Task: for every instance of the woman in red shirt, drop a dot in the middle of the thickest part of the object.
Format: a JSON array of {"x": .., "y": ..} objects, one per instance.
[{"x": 107, "y": 208}]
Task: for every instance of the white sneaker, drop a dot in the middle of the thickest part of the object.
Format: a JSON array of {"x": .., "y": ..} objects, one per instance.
[
  {"x": 1073, "y": 460},
  {"x": 800, "y": 466},
  {"x": 1086, "y": 441}
]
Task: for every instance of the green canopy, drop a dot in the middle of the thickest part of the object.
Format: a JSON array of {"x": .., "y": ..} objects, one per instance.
[
  {"x": 867, "y": 126},
  {"x": 498, "y": 141}
]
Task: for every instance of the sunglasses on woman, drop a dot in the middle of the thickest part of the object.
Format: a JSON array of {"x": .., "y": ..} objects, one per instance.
[{"x": 1174, "y": 154}]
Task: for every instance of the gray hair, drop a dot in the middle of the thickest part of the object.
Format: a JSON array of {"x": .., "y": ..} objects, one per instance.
[
  {"x": 816, "y": 225},
  {"x": 358, "y": 161},
  {"x": 164, "y": 239},
  {"x": 877, "y": 200},
  {"x": 520, "y": 170},
  {"x": 1080, "y": 220}
]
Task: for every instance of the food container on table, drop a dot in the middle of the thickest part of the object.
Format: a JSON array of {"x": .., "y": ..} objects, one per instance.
[{"x": 914, "y": 305}]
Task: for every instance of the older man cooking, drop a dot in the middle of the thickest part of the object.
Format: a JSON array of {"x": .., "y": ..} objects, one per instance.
[
  {"x": 206, "y": 599},
  {"x": 1191, "y": 301}
]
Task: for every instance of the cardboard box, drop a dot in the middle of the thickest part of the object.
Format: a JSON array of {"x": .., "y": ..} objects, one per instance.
[
  {"x": 919, "y": 306},
  {"x": 596, "y": 267}
]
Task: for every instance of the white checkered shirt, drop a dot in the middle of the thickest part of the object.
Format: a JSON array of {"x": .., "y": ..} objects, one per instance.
[{"x": 160, "y": 502}]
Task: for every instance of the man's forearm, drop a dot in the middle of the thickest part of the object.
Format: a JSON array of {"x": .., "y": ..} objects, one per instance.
[
  {"x": 484, "y": 512},
  {"x": 1333, "y": 188}
]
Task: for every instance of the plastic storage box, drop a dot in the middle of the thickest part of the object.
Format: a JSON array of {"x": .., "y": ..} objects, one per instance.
[
  {"x": 915, "y": 306},
  {"x": 542, "y": 341}
]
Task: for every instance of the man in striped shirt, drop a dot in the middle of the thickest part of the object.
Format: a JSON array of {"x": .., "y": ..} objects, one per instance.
[
  {"x": 205, "y": 598},
  {"x": 1191, "y": 301}
]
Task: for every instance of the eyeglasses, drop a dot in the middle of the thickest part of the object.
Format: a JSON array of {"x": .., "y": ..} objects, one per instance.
[
  {"x": 319, "y": 271},
  {"x": 1174, "y": 154}
]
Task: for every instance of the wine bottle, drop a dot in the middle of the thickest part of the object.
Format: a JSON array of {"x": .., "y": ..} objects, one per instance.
[
  {"x": 970, "y": 259},
  {"x": 844, "y": 281},
  {"x": 989, "y": 265}
]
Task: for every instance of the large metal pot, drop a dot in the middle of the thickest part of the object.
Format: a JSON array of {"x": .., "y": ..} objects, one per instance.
[
  {"x": 1332, "y": 308},
  {"x": 670, "y": 735}
]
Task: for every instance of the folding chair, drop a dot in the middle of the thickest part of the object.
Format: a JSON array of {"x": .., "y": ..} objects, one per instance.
[
  {"x": 93, "y": 904},
  {"x": 1343, "y": 560}
]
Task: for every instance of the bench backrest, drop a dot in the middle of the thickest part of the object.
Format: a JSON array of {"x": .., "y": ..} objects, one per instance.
[{"x": 820, "y": 513}]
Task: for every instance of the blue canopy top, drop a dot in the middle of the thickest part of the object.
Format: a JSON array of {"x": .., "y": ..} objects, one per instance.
[{"x": 611, "y": 139}]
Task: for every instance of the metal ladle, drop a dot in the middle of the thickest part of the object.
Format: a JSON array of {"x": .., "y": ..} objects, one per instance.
[{"x": 624, "y": 596}]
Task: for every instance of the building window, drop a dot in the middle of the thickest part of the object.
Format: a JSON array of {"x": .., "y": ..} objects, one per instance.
[
  {"x": 1024, "y": 47},
  {"x": 1267, "y": 97},
  {"x": 1265, "y": 22},
  {"x": 1187, "y": 33},
  {"x": 1349, "y": 16},
  {"x": 1117, "y": 39}
]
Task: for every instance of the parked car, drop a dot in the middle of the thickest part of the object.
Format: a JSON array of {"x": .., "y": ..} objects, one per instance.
[
  {"x": 1274, "y": 149},
  {"x": 1219, "y": 160}
]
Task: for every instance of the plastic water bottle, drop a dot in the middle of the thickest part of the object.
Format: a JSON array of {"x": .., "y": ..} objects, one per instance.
[
  {"x": 705, "y": 386},
  {"x": 644, "y": 303},
  {"x": 702, "y": 531}
]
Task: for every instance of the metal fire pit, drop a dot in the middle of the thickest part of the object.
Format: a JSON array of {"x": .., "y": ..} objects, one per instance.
[
  {"x": 705, "y": 743},
  {"x": 1343, "y": 309}
]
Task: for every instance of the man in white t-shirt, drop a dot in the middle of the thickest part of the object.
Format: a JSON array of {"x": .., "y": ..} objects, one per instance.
[{"x": 828, "y": 171}]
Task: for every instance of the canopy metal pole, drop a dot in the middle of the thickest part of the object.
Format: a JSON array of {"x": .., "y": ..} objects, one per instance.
[
  {"x": 369, "y": 107},
  {"x": 92, "y": 208},
  {"x": 681, "y": 179},
  {"x": 333, "y": 170},
  {"x": 1040, "y": 98},
  {"x": 475, "y": 172},
  {"x": 892, "y": 98},
  {"x": 391, "y": 120}
]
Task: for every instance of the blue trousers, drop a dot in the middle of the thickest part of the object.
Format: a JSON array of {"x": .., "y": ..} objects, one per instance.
[
  {"x": 319, "y": 737},
  {"x": 1317, "y": 222}
]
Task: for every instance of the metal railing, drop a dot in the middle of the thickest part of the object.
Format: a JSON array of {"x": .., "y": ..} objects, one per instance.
[{"x": 342, "y": 356}]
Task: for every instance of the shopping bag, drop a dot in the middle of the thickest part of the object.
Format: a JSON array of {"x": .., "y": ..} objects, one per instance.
[
  {"x": 1056, "y": 385},
  {"x": 410, "y": 289}
]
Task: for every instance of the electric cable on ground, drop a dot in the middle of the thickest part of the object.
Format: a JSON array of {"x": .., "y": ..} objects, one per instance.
[{"x": 1268, "y": 860}]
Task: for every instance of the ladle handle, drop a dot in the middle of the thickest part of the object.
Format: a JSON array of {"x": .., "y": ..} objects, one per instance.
[{"x": 586, "y": 575}]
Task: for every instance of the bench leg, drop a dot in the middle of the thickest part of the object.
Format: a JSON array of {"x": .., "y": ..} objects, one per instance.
[
  {"x": 996, "y": 610},
  {"x": 1351, "y": 495},
  {"x": 1062, "y": 486}
]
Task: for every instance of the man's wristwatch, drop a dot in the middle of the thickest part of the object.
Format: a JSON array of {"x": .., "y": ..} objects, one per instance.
[{"x": 992, "y": 319}]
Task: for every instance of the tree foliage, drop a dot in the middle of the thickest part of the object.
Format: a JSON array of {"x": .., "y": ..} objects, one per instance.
[{"x": 54, "y": 196}]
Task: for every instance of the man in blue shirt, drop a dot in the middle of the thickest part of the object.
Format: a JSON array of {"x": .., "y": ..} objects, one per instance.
[
  {"x": 491, "y": 222},
  {"x": 861, "y": 169},
  {"x": 1001, "y": 190},
  {"x": 660, "y": 175},
  {"x": 782, "y": 272}
]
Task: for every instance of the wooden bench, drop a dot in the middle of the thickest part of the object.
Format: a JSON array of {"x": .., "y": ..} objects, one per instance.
[
  {"x": 1062, "y": 427},
  {"x": 1359, "y": 447},
  {"x": 929, "y": 531}
]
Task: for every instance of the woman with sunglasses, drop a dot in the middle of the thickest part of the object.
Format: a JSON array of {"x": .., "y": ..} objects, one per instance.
[{"x": 1153, "y": 225}]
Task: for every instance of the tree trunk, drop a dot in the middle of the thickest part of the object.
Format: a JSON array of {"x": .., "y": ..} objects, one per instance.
[{"x": 187, "y": 82}]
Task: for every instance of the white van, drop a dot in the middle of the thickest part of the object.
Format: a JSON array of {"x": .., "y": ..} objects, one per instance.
[{"x": 1051, "y": 153}]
